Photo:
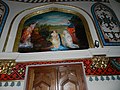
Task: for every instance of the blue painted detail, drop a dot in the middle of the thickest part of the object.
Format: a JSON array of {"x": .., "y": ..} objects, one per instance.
[
  {"x": 102, "y": 78},
  {"x": 18, "y": 83},
  {"x": 4, "y": 17},
  {"x": 107, "y": 78},
  {"x": 118, "y": 77},
  {"x": 90, "y": 79},
  {"x": 12, "y": 84},
  {"x": 96, "y": 78},
  {"x": 112, "y": 77},
  {"x": 0, "y": 84},
  {"x": 6, "y": 84},
  {"x": 116, "y": 64}
]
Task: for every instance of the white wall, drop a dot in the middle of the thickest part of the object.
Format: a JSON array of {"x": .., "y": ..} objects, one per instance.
[
  {"x": 104, "y": 85},
  {"x": 92, "y": 85},
  {"x": 109, "y": 51},
  {"x": 116, "y": 8},
  {"x": 17, "y": 7}
]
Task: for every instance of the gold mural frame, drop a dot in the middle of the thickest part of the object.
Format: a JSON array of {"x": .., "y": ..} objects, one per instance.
[{"x": 19, "y": 31}]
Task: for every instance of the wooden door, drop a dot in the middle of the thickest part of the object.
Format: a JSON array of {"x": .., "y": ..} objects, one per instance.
[
  {"x": 44, "y": 78},
  {"x": 56, "y": 77},
  {"x": 71, "y": 77}
]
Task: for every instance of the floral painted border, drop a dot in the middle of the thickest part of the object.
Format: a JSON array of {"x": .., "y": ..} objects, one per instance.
[
  {"x": 18, "y": 73},
  {"x": 10, "y": 83},
  {"x": 103, "y": 78},
  {"x": 18, "y": 83}
]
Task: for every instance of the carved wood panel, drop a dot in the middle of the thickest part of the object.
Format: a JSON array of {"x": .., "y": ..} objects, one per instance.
[
  {"x": 70, "y": 77},
  {"x": 45, "y": 78},
  {"x": 57, "y": 77}
]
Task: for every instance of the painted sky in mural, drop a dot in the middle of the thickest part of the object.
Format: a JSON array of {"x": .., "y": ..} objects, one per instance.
[{"x": 53, "y": 18}]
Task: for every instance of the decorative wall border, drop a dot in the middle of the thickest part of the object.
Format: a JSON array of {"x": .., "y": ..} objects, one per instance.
[
  {"x": 103, "y": 78},
  {"x": 4, "y": 13},
  {"x": 20, "y": 69},
  {"x": 11, "y": 83},
  {"x": 18, "y": 83},
  {"x": 6, "y": 66},
  {"x": 41, "y": 1}
]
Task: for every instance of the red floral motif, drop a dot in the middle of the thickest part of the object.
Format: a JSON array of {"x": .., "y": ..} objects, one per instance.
[{"x": 15, "y": 75}]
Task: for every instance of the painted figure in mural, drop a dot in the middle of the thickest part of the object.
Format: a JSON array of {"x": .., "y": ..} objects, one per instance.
[
  {"x": 26, "y": 36},
  {"x": 57, "y": 42},
  {"x": 68, "y": 40},
  {"x": 55, "y": 39},
  {"x": 71, "y": 30}
]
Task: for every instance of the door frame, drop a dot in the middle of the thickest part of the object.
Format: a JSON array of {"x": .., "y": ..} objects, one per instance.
[{"x": 53, "y": 64}]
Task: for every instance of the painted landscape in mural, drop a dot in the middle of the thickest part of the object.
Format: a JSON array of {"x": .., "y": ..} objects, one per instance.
[{"x": 53, "y": 31}]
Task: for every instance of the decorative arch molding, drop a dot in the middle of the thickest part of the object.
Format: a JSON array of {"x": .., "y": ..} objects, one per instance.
[
  {"x": 53, "y": 12},
  {"x": 108, "y": 26},
  {"x": 12, "y": 44},
  {"x": 42, "y": 9},
  {"x": 4, "y": 10}
]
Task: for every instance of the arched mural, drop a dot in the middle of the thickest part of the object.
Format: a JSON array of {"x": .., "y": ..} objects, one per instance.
[
  {"x": 52, "y": 30},
  {"x": 4, "y": 10},
  {"x": 107, "y": 24}
]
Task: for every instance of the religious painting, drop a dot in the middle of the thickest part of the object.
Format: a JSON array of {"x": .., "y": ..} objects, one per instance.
[
  {"x": 4, "y": 10},
  {"x": 53, "y": 31},
  {"x": 107, "y": 24}
]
